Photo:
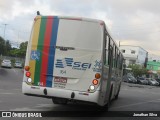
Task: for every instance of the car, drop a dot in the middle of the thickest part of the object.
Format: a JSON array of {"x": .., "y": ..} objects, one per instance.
[
  {"x": 18, "y": 64},
  {"x": 6, "y": 63},
  {"x": 158, "y": 80},
  {"x": 152, "y": 81},
  {"x": 141, "y": 80},
  {"x": 129, "y": 78}
]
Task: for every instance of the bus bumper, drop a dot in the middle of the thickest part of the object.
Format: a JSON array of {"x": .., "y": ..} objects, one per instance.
[{"x": 61, "y": 93}]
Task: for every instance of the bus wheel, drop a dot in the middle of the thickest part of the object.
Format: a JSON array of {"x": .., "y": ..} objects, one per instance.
[
  {"x": 106, "y": 107},
  {"x": 59, "y": 101},
  {"x": 116, "y": 97}
]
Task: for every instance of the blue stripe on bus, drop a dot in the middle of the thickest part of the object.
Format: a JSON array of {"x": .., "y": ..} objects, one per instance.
[{"x": 52, "y": 52}]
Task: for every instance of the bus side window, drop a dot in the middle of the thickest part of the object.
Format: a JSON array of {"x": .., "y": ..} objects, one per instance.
[
  {"x": 110, "y": 49},
  {"x": 121, "y": 62},
  {"x": 116, "y": 57},
  {"x": 106, "y": 49}
]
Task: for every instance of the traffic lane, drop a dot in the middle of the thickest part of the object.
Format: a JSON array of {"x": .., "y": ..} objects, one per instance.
[
  {"x": 134, "y": 97},
  {"x": 130, "y": 99},
  {"x": 10, "y": 73},
  {"x": 130, "y": 94},
  {"x": 15, "y": 100},
  {"x": 11, "y": 78}
]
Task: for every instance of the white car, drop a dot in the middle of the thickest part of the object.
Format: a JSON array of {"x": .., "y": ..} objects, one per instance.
[
  {"x": 152, "y": 81},
  {"x": 18, "y": 64},
  {"x": 6, "y": 63}
]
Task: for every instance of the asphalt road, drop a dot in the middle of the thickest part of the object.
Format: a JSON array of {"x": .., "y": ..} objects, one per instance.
[{"x": 132, "y": 97}]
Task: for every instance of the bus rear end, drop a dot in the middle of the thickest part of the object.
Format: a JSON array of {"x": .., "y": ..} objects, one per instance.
[{"x": 63, "y": 59}]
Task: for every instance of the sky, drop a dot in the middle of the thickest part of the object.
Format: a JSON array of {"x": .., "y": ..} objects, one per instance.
[{"x": 132, "y": 22}]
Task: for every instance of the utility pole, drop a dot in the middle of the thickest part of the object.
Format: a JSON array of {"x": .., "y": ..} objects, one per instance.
[{"x": 4, "y": 30}]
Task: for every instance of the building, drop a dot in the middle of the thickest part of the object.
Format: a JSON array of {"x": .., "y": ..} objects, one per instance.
[
  {"x": 134, "y": 54},
  {"x": 154, "y": 68},
  {"x": 153, "y": 64},
  {"x": 152, "y": 57}
]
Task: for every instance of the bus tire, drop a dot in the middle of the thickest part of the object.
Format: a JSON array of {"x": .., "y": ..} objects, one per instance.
[
  {"x": 62, "y": 101},
  {"x": 116, "y": 97},
  {"x": 106, "y": 107}
]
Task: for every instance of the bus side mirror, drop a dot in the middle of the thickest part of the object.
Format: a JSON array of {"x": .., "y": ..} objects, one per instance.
[{"x": 124, "y": 65}]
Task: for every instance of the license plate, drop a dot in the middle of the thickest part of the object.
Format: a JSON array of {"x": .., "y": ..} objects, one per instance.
[{"x": 60, "y": 80}]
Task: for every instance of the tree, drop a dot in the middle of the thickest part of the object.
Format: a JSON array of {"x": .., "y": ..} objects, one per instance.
[
  {"x": 23, "y": 48},
  {"x": 138, "y": 70},
  {"x": 23, "y": 45},
  {"x": 5, "y": 47},
  {"x": 2, "y": 46}
]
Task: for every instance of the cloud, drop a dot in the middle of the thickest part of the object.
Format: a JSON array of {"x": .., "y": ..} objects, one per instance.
[{"x": 134, "y": 22}]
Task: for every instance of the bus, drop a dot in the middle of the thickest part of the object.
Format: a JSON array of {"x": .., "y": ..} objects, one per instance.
[{"x": 72, "y": 59}]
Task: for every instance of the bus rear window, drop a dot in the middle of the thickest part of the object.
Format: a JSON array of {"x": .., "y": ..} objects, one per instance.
[{"x": 80, "y": 34}]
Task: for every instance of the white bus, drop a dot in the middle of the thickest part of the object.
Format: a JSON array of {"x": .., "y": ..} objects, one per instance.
[{"x": 72, "y": 59}]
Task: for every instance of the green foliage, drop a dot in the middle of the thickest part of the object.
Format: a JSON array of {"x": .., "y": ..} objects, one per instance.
[
  {"x": 12, "y": 61},
  {"x": 7, "y": 50},
  {"x": 8, "y": 47},
  {"x": 5, "y": 46},
  {"x": 2, "y": 46},
  {"x": 23, "y": 48},
  {"x": 138, "y": 70},
  {"x": 16, "y": 53}
]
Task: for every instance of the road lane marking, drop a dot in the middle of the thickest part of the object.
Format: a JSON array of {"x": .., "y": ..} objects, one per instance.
[
  {"x": 123, "y": 106},
  {"x": 15, "y": 71}
]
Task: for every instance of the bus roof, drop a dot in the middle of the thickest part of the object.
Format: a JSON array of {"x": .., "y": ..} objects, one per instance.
[
  {"x": 73, "y": 18},
  {"x": 101, "y": 22}
]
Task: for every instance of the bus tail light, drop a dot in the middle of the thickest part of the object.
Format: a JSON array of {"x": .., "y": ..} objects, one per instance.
[
  {"x": 29, "y": 80},
  {"x": 26, "y": 68},
  {"x": 97, "y": 75},
  {"x": 95, "y": 82},
  {"x": 28, "y": 74},
  {"x": 92, "y": 87}
]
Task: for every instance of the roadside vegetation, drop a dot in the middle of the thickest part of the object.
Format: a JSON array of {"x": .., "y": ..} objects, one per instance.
[
  {"x": 7, "y": 50},
  {"x": 138, "y": 70}
]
